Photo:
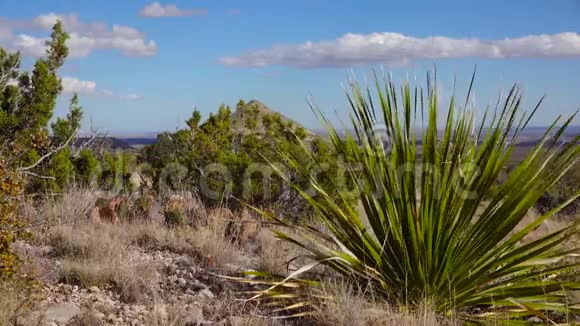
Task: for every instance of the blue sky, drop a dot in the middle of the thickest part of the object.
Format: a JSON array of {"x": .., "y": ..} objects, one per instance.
[{"x": 141, "y": 66}]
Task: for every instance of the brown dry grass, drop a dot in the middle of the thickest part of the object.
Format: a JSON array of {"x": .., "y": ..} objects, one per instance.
[
  {"x": 274, "y": 256},
  {"x": 207, "y": 243},
  {"x": 16, "y": 300},
  {"x": 92, "y": 255},
  {"x": 95, "y": 254},
  {"x": 345, "y": 306}
]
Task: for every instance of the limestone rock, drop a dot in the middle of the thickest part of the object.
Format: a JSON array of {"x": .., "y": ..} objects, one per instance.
[{"x": 61, "y": 313}]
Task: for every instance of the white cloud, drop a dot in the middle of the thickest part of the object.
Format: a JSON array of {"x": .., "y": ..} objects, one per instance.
[
  {"x": 72, "y": 85},
  {"x": 155, "y": 10},
  {"x": 395, "y": 48},
  {"x": 85, "y": 38}
]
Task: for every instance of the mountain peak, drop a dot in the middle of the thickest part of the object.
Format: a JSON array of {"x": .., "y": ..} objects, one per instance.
[{"x": 238, "y": 116}]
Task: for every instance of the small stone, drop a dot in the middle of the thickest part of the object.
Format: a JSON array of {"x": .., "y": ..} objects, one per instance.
[
  {"x": 535, "y": 320},
  {"x": 62, "y": 313},
  {"x": 181, "y": 282},
  {"x": 94, "y": 289},
  {"x": 205, "y": 294}
]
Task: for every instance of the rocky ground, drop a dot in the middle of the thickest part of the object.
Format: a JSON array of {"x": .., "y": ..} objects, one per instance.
[
  {"x": 183, "y": 294},
  {"x": 141, "y": 272}
]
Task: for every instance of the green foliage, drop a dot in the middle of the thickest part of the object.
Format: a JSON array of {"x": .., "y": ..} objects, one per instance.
[
  {"x": 142, "y": 206},
  {"x": 63, "y": 129},
  {"x": 61, "y": 169},
  {"x": 227, "y": 156},
  {"x": 26, "y": 105},
  {"x": 418, "y": 239},
  {"x": 87, "y": 168},
  {"x": 27, "y": 102},
  {"x": 116, "y": 171},
  {"x": 174, "y": 217}
]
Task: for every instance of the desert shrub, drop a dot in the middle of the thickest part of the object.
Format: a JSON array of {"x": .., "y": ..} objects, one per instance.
[
  {"x": 422, "y": 238},
  {"x": 226, "y": 158},
  {"x": 116, "y": 172},
  {"x": 102, "y": 202},
  {"x": 11, "y": 227},
  {"x": 174, "y": 217},
  {"x": 142, "y": 207},
  {"x": 87, "y": 169}
]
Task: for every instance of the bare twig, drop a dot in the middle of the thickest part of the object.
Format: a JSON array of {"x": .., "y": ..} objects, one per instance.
[
  {"x": 49, "y": 154},
  {"x": 6, "y": 76},
  {"x": 36, "y": 175},
  {"x": 95, "y": 140}
]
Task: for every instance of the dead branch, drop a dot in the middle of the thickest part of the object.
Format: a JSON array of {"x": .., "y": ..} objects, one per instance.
[
  {"x": 6, "y": 75},
  {"x": 49, "y": 154},
  {"x": 94, "y": 142},
  {"x": 36, "y": 175}
]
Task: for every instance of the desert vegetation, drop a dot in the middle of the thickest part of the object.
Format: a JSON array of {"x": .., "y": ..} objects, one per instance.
[{"x": 248, "y": 218}]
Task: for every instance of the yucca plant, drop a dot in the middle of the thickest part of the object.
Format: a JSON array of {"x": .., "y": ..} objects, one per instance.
[{"x": 428, "y": 232}]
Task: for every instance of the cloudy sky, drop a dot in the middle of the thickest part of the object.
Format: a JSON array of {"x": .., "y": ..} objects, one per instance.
[{"x": 142, "y": 66}]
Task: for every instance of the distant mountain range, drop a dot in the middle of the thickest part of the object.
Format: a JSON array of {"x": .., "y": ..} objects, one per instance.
[
  {"x": 102, "y": 143},
  {"x": 529, "y": 137}
]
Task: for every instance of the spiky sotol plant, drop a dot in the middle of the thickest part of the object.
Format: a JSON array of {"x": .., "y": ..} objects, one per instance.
[{"x": 427, "y": 233}]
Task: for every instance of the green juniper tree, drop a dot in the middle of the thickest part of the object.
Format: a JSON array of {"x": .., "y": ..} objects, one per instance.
[
  {"x": 227, "y": 157},
  {"x": 27, "y": 101}
]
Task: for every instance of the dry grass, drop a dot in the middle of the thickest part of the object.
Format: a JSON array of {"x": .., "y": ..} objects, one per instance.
[
  {"x": 215, "y": 248},
  {"x": 16, "y": 300},
  {"x": 345, "y": 306},
  {"x": 72, "y": 207},
  {"x": 275, "y": 256},
  {"x": 207, "y": 244},
  {"x": 88, "y": 317},
  {"x": 92, "y": 256},
  {"x": 157, "y": 237},
  {"x": 174, "y": 316}
]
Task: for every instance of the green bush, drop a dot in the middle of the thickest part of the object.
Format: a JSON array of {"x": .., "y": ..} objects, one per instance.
[
  {"x": 419, "y": 239},
  {"x": 25, "y": 110},
  {"x": 174, "y": 218},
  {"x": 244, "y": 142}
]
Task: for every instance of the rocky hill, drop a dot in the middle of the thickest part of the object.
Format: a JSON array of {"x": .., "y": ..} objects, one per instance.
[{"x": 242, "y": 112}]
